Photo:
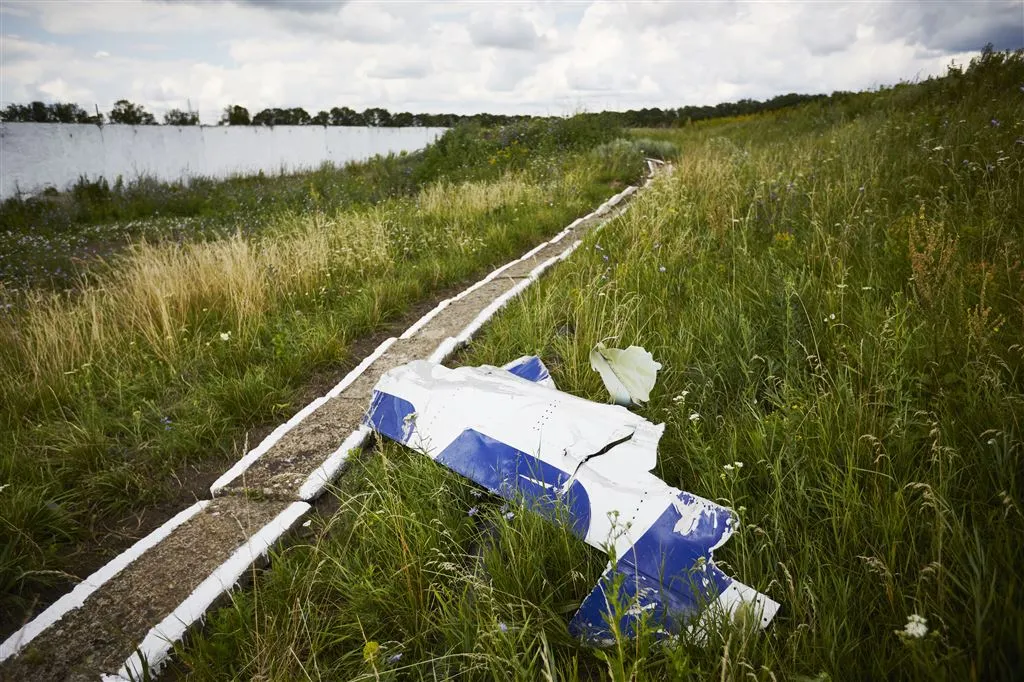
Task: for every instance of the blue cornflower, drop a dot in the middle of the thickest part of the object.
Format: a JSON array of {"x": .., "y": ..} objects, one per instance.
[{"x": 472, "y": 511}]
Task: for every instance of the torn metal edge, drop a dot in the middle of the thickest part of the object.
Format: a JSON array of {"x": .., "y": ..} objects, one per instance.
[
  {"x": 156, "y": 647},
  {"x": 76, "y": 597},
  {"x": 243, "y": 464}
]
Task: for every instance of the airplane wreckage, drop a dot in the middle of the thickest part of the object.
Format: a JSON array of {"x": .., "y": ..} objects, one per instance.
[{"x": 584, "y": 464}]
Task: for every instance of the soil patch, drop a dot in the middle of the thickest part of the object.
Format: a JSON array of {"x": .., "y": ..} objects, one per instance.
[{"x": 99, "y": 636}]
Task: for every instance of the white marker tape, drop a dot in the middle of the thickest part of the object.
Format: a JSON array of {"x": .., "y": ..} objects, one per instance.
[
  {"x": 243, "y": 464},
  {"x": 317, "y": 481},
  {"x": 158, "y": 643},
  {"x": 76, "y": 597},
  {"x": 358, "y": 370}
]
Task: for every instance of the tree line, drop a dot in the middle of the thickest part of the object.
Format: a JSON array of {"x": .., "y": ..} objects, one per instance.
[{"x": 128, "y": 113}]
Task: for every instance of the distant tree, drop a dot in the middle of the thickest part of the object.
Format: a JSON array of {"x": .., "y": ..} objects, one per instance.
[
  {"x": 235, "y": 115},
  {"x": 177, "y": 117},
  {"x": 65, "y": 112},
  {"x": 343, "y": 116},
  {"x": 41, "y": 113},
  {"x": 296, "y": 116},
  {"x": 269, "y": 117},
  {"x": 402, "y": 120},
  {"x": 38, "y": 112},
  {"x": 130, "y": 114},
  {"x": 377, "y": 117},
  {"x": 321, "y": 119}
]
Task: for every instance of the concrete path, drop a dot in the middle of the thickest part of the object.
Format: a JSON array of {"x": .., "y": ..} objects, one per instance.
[{"x": 125, "y": 618}]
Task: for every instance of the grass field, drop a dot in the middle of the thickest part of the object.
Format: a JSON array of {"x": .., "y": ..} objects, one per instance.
[
  {"x": 152, "y": 366},
  {"x": 837, "y": 297}
]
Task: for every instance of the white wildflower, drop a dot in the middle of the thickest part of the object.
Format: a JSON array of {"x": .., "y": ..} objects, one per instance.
[
  {"x": 695, "y": 417},
  {"x": 225, "y": 336},
  {"x": 728, "y": 467},
  {"x": 681, "y": 397},
  {"x": 916, "y": 627}
]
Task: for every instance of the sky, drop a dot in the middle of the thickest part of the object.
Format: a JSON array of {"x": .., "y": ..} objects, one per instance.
[{"x": 530, "y": 57}]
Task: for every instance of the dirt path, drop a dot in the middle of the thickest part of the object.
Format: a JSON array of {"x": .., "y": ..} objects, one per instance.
[{"x": 125, "y": 617}]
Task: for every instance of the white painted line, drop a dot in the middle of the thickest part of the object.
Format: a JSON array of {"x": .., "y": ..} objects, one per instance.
[
  {"x": 487, "y": 313},
  {"x": 449, "y": 345},
  {"x": 76, "y": 597},
  {"x": 317, "y": 481},
  {"x": 444, "y": 349},
  {"x": 247, "y": 461},
  {"x": 157, "y": 644},
  {"x": 420, "y": 323},
  {"x": 358, "y": 370},
  {"x": 277, "y": 434},
  {"x": 243, "y": 464}
]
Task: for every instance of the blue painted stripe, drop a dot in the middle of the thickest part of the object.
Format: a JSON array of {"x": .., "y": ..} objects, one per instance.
[{"x": 529, "y": 367}]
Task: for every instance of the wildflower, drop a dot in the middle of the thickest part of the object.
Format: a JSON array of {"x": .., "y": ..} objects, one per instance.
[
  {"x": 728, "y": 467},
  {"x": 916, "y": 627},
  {"x": 861, "y": 189},
  {"x": 661, "y": 268},
  {"x": 502, "y": 627},
  {"x": 166, "y": 421},
  {"x": 509, "y": 516},
  {"x": 395, "y": 658},
  {"x": 738, "y": 465},
  {"x": 695, "y": 417},
  {"x": 681, "y": 397},
  {"x": 995, "y": 122},
  {"x": 225, "y": 336},
  {"x": 938, "y": 149},
  {"x": 992, "y": 441},
  {"x": 472, "y": 511}
]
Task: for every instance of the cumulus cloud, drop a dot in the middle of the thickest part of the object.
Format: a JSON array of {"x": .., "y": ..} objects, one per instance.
[
  {"x": 951, "y": 26},
  {"x": 391, "y": 69},
  {"x": 309, "y": 6},
  {"x": 531, "y": 56},
  {"x": 507, "y": 29}
]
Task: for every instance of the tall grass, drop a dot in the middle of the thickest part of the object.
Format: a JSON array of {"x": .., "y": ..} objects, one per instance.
[
  {"x": 113, "y": 395},
  {"x": 836, "y": 297}
]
